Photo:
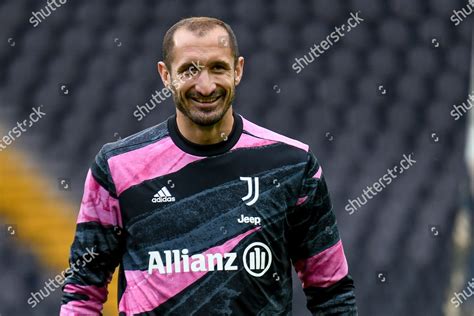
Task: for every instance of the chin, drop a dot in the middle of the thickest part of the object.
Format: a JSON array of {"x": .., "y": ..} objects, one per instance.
[
  {"x": 203, "y": 116},
  {"x": 206, "y": 118}
]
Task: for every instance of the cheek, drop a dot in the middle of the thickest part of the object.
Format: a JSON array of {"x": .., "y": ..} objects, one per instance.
[
  {"x": 182, "y": 89},
  {"x": 227, "y": 83},
  {"x": 231, "y": 86}
]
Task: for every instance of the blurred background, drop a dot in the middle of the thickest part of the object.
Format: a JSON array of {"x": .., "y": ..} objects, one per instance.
[{"x": 387, "y": 88}]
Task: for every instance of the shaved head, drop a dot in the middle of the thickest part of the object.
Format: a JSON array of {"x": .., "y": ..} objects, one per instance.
[{"x": 199, "y": 26}]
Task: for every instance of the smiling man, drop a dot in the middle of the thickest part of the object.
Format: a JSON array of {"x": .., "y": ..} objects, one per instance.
[{"x": 206, "y": 212}]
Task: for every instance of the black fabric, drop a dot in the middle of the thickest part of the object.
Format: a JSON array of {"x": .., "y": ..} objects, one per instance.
[
  {"x": 322, "y": 300},
  {"x": 205, "y": 150}
]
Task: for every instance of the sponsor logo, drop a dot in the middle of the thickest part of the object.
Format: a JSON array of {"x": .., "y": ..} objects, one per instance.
[
  {"x": 252, "y": 190},
  {"x": 257, "y": 258},
  {"x": 248, "y": 219},
  {"x": 163, "y": 195}
]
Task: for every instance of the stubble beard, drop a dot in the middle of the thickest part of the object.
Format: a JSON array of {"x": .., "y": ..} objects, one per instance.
[{"x": 204, "y": 118}]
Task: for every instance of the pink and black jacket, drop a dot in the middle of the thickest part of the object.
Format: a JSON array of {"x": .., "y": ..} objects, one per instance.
[{"x": 207, "y": 229}]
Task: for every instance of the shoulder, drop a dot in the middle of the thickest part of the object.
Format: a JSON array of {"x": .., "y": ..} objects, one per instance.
[
  {"x": 289, "y": 150},
  {"x": 265, "y": 133},
  {"x": 135, "y": 141},
  {"x": 100, "y": 167}
]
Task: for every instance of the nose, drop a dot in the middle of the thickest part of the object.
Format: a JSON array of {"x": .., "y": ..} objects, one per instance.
[{"x": 204, "y": 83}]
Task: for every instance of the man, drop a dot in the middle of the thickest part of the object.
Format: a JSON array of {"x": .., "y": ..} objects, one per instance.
[{"x": 206, "y": 212}]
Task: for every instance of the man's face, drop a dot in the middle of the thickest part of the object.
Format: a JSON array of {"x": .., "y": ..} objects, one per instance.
[{"x": 203, "y": 75}]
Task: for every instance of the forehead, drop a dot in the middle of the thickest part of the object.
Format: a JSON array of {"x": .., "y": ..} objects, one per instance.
[{"x": 188, "y": 46}]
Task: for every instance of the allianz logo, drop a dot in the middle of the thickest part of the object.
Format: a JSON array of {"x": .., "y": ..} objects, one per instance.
[{"x": 256, "y": 259}]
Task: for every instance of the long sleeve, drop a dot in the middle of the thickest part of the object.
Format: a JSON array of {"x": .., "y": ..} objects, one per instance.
[
  {"x": 316, "y": 249},
  {"x": 97, "y": 247}
]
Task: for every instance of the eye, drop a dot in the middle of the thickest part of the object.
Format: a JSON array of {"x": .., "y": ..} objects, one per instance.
[
  {"x": 218, "y": 68},
  {"x": 189, "y": 69},
  {"x": 185, "y": 70}
]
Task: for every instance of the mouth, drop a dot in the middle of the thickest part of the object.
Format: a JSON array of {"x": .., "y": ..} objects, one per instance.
[{"x": 205, "y": 103}]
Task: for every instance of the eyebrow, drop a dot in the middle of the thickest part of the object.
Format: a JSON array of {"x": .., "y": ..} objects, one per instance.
[
  {"x": 184, "y": 66},
  {"x": 221, "y": 63},
  {"x": 188, "y": 64}
]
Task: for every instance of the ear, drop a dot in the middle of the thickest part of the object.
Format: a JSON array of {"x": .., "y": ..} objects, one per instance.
[
  {"x": 164, "y": 73},
  {"x": 239, "y": 70}
]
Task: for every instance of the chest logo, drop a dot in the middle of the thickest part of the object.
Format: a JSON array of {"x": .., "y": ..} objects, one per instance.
[
  {"x": 253, "y": 190},
  {"x": 249, "y": 219},
  {"x": 163, "y": 196}
]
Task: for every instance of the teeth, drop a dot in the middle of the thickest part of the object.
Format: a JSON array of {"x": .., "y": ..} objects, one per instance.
[{"x": 205, "y": 101}]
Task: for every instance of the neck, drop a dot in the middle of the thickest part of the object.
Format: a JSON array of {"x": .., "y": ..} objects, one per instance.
[{"x": 205, "y": 135}]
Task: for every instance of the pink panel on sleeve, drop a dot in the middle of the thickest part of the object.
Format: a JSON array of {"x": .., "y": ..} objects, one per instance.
[
  {"x": 97, "y": 205},
  {"x": 323, "y": 269},
  {"x": 93, "y": 306}
]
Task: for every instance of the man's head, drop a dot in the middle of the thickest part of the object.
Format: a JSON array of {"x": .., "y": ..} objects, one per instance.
[{"x": 202, "y": 66}]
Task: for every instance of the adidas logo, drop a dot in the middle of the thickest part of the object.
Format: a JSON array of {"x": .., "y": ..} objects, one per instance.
[{"x": 163, "y": 196}]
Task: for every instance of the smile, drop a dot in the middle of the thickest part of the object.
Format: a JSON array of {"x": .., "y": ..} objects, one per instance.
[{"x": 206, "y": 102}]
